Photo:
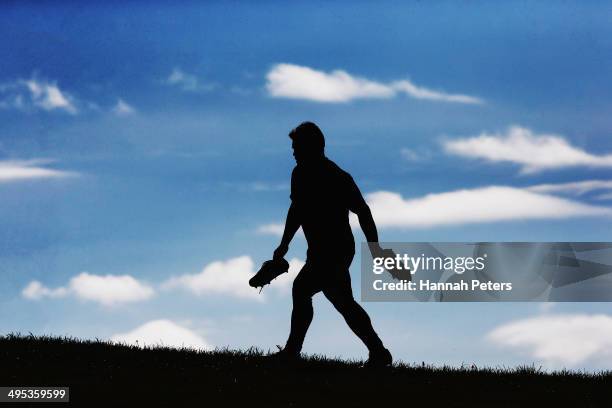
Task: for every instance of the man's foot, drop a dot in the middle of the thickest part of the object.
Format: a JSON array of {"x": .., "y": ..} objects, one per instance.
[
  {"x": 283, "y": 355},
  {"x": 380, "y": 358}
]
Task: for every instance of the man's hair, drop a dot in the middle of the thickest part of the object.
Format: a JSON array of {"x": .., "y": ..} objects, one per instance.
[{"x": 309, "y": 134}]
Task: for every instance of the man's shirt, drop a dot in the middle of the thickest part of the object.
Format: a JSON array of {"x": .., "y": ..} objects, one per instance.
[{"x": 323, "y": 194}]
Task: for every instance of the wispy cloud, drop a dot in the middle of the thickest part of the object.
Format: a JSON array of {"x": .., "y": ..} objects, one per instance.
[
  {"x": 49, "y": 97},
  {"x": 254, "y": 186},
  {"x": 264, "y": 186},
  {"x": 300, "y": 82},
  {"x": 187, "y": 82},
  {"x": 534, "y": 152},
  {"x": 230, "y": 277},
  {"x": 32, "y": 94},
  {"x": 20, "y": 170},
  {"x": 107, "y": 290},
  {"x": 276, "y": 229},
  {"x": 162, "y": 332},
  {"x": 576, "y": 188},
  {"x": 414, "y": 155},
  {"x": 604, "y": 196},
  {"x": 479, "y": 205},
  {"x": 559, "y": 340},
  {"x": 36, "y": 291},
  {"x": 122, "y": 108}
]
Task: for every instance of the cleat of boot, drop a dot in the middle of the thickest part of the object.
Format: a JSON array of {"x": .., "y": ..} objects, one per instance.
[
  {"x": 284, "y": 356},
  {"x": 269, "y": 271},
  {"x": 378, "y": 359}
]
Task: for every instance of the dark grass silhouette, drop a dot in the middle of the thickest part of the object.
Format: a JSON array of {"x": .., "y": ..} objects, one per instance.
[{"x": 100, "y": 373}]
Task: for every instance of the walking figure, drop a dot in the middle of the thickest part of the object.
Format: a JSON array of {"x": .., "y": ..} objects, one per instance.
[{"x": 322, "y": 194}]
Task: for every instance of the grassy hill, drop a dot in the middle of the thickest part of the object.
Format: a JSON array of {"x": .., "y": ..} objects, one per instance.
[{"x": 100, "y": 373}]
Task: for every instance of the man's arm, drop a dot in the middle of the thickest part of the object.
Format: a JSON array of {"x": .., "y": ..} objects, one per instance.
[
  {"x": 366, "y": 221},
  {"x": 368, "y": 226},
  {"x": 358, "y": 205},
  {"x": 292, "y": 224}
]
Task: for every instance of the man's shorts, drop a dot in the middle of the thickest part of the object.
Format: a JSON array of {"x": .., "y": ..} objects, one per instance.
[{"x": 326, "y": 274}]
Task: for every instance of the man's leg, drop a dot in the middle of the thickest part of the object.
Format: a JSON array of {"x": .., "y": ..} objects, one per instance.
[
  {"x": 340, "y": 294},
  {"x": 304, "y": 287}
]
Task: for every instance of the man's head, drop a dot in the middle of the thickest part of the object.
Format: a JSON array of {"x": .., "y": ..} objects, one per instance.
[{"x": 308, "y": 142}]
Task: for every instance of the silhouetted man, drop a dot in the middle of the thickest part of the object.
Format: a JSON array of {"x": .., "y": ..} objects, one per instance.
[{"x": 322, "y": 194}]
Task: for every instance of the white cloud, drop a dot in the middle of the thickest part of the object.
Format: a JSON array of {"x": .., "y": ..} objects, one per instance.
[
  {"x": 534, "y": 152},
  {"x": 187, "y": 82},
  {"x": 255, "y": 186},
  {"x": 231, "y": 278},
  {"x": 299, "y": 82},
  {"x": 558, "y": 339},
  {"x": 107, "y": 290},
  {"x": 276, "y": 229},
  {"x": 162, "y": 333},
  {"x": 122, "y": 108},
  {"x": 48, "y": 96},
  {"x": 35, "y": 94},
  {"x": 419, "y": 92},
  {"x": 263, "y": 186},
  {"x": 604, "y": 196},
  {"x": 36, "y": 291},
  {"x": 479, "y": 205},
  {"x": 575, "y": 188},
  {"x": 19, "y": 170},
  {"x": 271, "y": 229},
  {"x": 110, "y": 289},
  {"x": 283, "y": 283},
  {"x": 412, "y": 155}
]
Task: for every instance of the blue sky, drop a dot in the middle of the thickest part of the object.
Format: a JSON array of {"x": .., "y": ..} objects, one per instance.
[{"x": 145, "y": 142}]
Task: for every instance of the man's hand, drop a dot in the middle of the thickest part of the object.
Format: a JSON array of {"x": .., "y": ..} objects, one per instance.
[
  {"x": 378, "y": 252},
  {"x": 281, "y": 251}
]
